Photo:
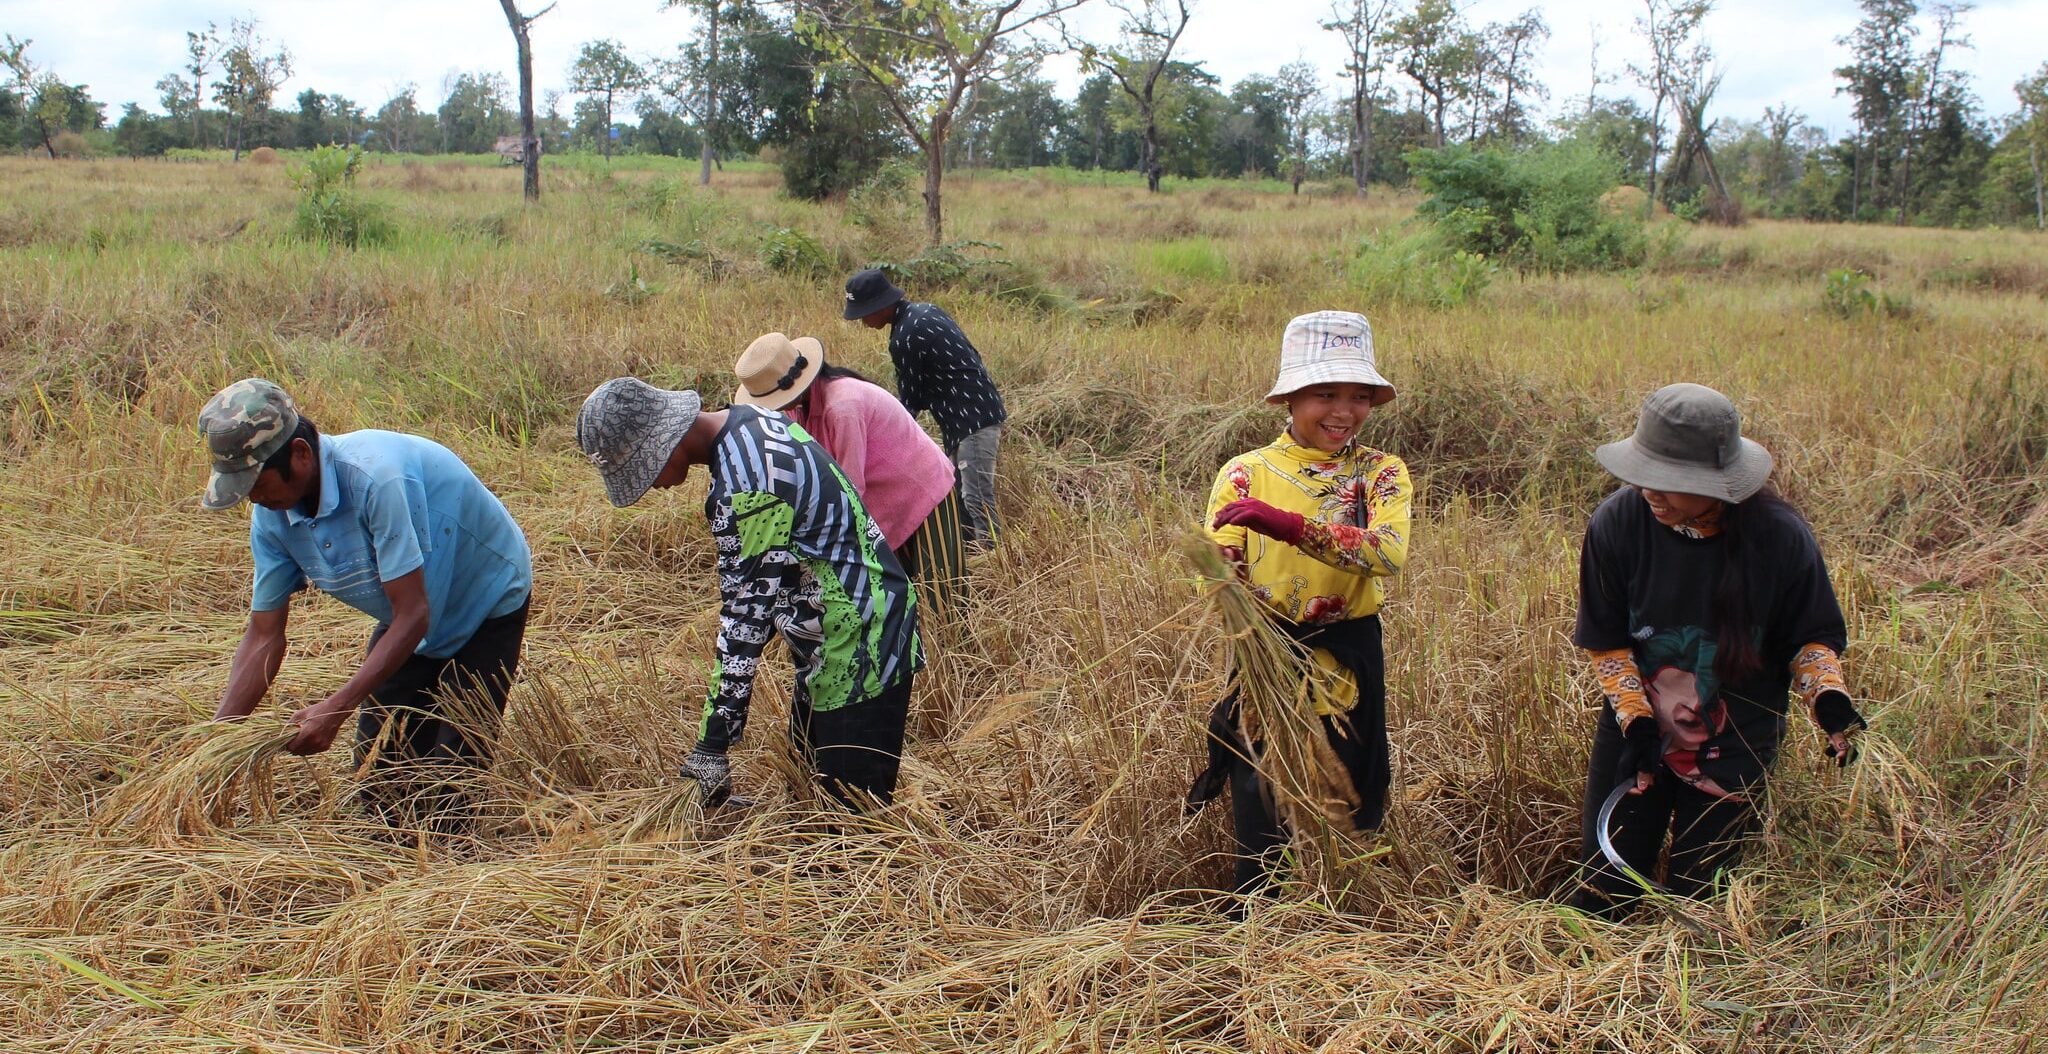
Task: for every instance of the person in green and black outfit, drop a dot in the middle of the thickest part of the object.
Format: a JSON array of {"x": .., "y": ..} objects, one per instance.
[{"x": 798, "y": 555}]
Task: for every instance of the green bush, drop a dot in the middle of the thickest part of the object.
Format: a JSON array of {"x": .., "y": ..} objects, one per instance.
[
  {"x": 1418, "y": 268},
  {"x": 884, "y": 202},
  {"x": 1847, "y": 294},
  {"x": 329, "y": 210},
  {"x": 787, "y": 250},
  {"x": 1537, "y": 208}
]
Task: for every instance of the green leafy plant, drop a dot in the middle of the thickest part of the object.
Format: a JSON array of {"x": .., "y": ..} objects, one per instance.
[
  {"x": 787, "y": 250},
  {"x": 1847, "y": 293},
  {"x": 329, "y": 209},
  {"x": 1536, "y": 208},
  {"x": 1419, "y": 268}
]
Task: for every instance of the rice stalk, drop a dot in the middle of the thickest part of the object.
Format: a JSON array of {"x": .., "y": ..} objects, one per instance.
[
  {"x": 1278, "y": 686},
  {"x": 202, "y": 776}
]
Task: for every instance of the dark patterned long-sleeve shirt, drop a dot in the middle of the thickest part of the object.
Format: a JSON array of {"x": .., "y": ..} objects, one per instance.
[
  {"x": 937, "y": 369},
  {"x": 798, "y": 555}
]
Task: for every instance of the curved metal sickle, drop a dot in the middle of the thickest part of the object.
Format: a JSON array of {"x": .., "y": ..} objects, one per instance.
[{"x": 1607, "y": 841}]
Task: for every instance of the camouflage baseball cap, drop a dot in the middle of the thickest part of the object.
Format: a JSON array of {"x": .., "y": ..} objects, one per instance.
[
  {"x": 628, "y": 428},
  {"x": 244, "y": 424}
]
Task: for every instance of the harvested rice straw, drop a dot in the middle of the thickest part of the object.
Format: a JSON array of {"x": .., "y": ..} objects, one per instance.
[
  {"x": 1278, "y": 683},
  {"x": 211, "y": 767}
]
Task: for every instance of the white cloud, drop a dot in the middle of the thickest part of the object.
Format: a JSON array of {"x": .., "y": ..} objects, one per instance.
[{"x": 1771, "y": 50}]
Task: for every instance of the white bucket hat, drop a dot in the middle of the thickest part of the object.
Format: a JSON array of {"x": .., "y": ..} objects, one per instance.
[
  {"x": 1328, "y": 347},
  {"x": 1688, "y": 440}
]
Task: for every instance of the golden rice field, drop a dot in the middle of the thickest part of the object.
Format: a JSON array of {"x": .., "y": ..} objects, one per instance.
[{"x": 168, "y": 886}]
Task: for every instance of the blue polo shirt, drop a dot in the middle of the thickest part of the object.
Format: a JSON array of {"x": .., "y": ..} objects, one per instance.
[{"x": 391, "y": 504}]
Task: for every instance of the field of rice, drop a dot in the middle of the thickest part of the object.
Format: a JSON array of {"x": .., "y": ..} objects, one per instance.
[{"x": 168, "y": 885}]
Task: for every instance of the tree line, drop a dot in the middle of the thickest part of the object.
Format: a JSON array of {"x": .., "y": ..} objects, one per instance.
[{"x": 835, "y": 89}]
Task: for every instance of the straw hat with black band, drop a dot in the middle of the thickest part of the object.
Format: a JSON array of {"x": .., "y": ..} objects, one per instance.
[{"x": 776, "y": 370}]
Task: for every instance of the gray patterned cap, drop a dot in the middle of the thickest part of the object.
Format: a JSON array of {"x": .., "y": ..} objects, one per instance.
[
  {"x": 628, "y": 428},
  {"x": 244, "y": 424}
]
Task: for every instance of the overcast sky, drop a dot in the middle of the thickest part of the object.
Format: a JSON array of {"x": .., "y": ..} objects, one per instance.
[{"x": 1772, "y": 51}]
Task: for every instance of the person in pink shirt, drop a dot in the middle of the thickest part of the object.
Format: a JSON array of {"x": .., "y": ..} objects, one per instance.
[{"x": 902, "y": 476}]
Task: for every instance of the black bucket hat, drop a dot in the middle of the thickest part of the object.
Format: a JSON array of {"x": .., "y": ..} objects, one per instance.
[{"x": 869, "y": 291}]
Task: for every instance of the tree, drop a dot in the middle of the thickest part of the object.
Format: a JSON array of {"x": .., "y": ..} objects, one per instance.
[
  {"x": 1668, "y": 26},
  {"x": 1432, "y": 46},
  {"x": 46, "y": 101},
  {"x": 401, "y": 122},
  {"x": 1147, "y": 36},
  {"x": 923, "y": 58},
  {"x": 1298, "y": 89},
  {"x": 1937, "y": 86},
  {"x": 529, "y": 145},
  {"x": 311, "y": 122},
  {"x": 474, "y": 114},
  {"x": 248, "y": 78},
  {"x": 1511, "y": 47},
  {"x": 2031, "y": 125},
  {"x": 705, "y": 107},
  {"x": 1252, "y": 136},
  {"x": 202, "y": 50},
  {"x": 602, "y": 73},
  {"x": 1880, "y": 82},
  {"x": 1692, "y": 156},
  {"x": 139, "y": 134},
  {"x": 1360, "y": 23}
]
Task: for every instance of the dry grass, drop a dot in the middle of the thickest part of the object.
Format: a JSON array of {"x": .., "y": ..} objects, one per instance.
[{"x": 1036, "y": 887}]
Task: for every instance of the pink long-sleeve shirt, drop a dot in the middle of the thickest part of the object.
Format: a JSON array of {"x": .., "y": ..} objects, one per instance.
[{"x": 899, "y": 472}]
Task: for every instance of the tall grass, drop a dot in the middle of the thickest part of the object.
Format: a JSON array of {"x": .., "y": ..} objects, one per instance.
[{"x": 1036, "y": 886}]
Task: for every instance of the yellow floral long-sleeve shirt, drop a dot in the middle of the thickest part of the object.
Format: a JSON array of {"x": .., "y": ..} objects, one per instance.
[{"x": 1357, "y": 503}]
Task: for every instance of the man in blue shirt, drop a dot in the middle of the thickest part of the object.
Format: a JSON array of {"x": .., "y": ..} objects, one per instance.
[{"x": 397, "y": 527}]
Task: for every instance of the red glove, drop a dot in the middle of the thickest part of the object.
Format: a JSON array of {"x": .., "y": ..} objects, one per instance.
[{"x": 1255, "y": 515}]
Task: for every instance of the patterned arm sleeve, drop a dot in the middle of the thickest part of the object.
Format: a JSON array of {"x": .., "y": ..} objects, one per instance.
[
  {"x": 756, "y": 567},
  {"x": 1380, "y": 547},
  {"x": 1817, "y": 671},
  {"x": 1622, "y": 683}
]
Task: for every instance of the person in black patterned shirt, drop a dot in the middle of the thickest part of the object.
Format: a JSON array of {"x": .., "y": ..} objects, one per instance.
[
  {"x": 937, "y": 369},
  {"x": 798, "y": 555}
]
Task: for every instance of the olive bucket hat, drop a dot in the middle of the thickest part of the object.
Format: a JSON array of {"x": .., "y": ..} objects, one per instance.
[{"x": 1688, "y": 440}]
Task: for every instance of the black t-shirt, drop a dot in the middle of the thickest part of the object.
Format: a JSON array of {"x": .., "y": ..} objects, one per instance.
[
  {"x": 1648, "y": 588},
  {"x": 937, "y": 369}
]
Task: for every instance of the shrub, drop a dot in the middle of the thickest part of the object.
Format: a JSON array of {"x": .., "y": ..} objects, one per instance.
[
  {"x": 1539, "y": 208},
  {"x": 1847, "y": 294},
  {"x": 883, "y": 202},
  {"x": 329, "y": 209},
  {"x": 1418, "y": 268},
  {"x": 790, "y": 251}
]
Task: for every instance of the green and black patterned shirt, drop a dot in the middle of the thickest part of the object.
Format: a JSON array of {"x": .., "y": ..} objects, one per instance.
[{"x": 798, "y": 554}]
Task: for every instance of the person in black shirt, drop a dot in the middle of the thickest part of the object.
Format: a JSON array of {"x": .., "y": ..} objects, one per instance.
[
  {"x": 937, "y": 369},
  {"x": 1704, "y": 603}
]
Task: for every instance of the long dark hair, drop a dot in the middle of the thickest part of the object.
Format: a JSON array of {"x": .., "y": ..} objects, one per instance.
[
  {"x": 1743, "y": 534},
  {"x": 812, "y": 401}
]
